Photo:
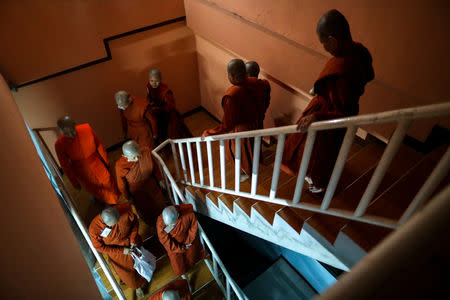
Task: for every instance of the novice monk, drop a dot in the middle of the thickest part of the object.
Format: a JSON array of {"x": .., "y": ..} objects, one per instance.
[
  {"x": 177, "y": 232},
  {"x": 252, "y": 69},
  {"x": 240, "y": 113},
  {"x": 134, "y": 171},
  {"x": 135, "y": 118},
  {"x": 84, "y": 159},
  {"x": 337, "y": 90},
  {"x": 166, "y": 121},
  {"x": 176, "y": 290},
  {"x": 115, "y": 233}
]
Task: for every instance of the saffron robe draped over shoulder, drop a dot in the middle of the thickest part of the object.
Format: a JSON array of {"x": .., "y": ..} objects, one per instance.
[
  {"x": 85, "y": 161},
  {"x": 338, "y": 89},
  {"x": 166, "y": 122},
  {"x": 136, "y": 120},
  {"x": 184, "y": 233},
  {"x": 179, "y": 285},
  {"x": 240, "y": 113},
  {"x": 263, "y": 98},
  {"x": 122, "y": 235},
  {"x": 136, "y": 179}
]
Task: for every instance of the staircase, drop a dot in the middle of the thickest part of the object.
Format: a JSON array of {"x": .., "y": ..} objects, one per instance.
[{"x": 333, "y": 231}]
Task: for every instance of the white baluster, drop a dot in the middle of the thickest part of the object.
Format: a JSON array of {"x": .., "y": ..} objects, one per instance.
[
  {"x": 183, "y": 163},
  {"x": 222, "y": 164},
  {"x": 228, "y": 288},
  {"x": 256, "y": 154},
  {"x": 191, "y": 161},
  {"x": 383, "y": 165},
  {"x": 304, "y": 165},
  {"x": 237, "y": 165},
  {"x": 200, "y": 162},
  {"x": 210, "y": 164},
  {"x": 338, "y": 167},
  {"x": 277, "y": 165}
]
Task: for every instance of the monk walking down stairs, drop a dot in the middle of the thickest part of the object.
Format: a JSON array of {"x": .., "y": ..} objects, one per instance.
[
  {"x": 83, "y": 158},
  {"x": 337, "y": 92},
  {"x": 252, "y": 69}
]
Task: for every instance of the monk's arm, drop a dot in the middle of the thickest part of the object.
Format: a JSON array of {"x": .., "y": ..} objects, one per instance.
[
  {"x": 122, "y": 184},
  {"x": 229, "y": 118},
  {"x": 124, "y": 124},
  {"x": 134, "y": 235},
  {"x": 192, "y": 229},
  {"x": 100, "y": 148},
  {"x": 98, "y": 243},
  {"x": 168, "y": 242},
  {"x": 339, "y": 94},
  {"x": 66, "y": 165},
  {"x": 169, "y": 99}
]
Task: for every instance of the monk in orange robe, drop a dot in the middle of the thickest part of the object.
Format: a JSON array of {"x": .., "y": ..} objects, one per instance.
[
  {"x": 135, "y": 179},
  {"x": 337, "y": 92},
  {"x": 240, "y": 113},
  {"x": 252, "y": 69},
  {"x": 166, "y": 122},
  {"x": 136, "y": 118},
  {"x": 179, "y": 287},
  {"x": 177, "y": 232},
  {"x": 83, "y": 158},
  {"x": 115, "y": 233}
]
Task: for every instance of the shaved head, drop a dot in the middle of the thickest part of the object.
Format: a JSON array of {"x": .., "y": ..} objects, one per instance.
[
  {"x": 110, "y": 216},
  {"x": 154, "y": 72},
  {"x": 131, "y": 150},
  {"x": 170, "y": 295},
  {"x": 334, "y": 24},
  {"x": 67, "y": 126},
  {"x": 236, "y": 71},
  {"x": 122, "y": 99},
  {"x": 252, "y": 68}
]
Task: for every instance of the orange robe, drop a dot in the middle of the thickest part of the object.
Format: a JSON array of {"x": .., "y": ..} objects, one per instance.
[
  {"x": 184, "y": 232},
  {"x": 180, "y": 285},
  {"x": 85, "y": 161},
  {"x": 263, "y": 98},
  {"x": 122, "y": 235},
  {"x": 240, "y": 113},
  {"x": 338, "y": 90},
  {"x": 166, "y": 121},
  {"x": 136, "y": 179},
  {"x": 136, "y": 122}
]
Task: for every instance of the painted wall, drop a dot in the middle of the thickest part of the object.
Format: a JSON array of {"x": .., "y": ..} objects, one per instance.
[
  {"x": 404, "y": 37},
  {"x": 40, "y": 257}
]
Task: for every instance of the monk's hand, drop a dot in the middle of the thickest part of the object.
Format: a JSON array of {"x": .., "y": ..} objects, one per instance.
[
  {"x": 133, "y": 246},
  {"x": 205, "y": 133},
  {"x": 304, "y": 122},
  {"x": 127, "y": 251},
  {"x": 188, "y": 245}
]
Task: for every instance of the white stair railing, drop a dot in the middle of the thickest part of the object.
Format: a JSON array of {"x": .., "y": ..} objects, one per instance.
[{"x": 403, "y": 117}]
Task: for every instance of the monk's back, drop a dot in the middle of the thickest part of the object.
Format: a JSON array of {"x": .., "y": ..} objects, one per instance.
[
  {"x": 244, "y": 98},
  {"x": 82, "y": 147}
]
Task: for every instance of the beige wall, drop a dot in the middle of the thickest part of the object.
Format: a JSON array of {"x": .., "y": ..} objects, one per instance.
[
  {"x": 40, "y": 257},
  {"x": 404, "y": 37}
]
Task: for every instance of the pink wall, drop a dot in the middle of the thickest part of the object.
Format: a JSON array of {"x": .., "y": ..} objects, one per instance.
[
  {"x": 404, "y": 37},
  {"x": 88, "y": 94},
  {"x": 40, "y": 257}
]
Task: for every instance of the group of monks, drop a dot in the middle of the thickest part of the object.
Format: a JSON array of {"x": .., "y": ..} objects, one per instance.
[{"x": 149, "y": 121}]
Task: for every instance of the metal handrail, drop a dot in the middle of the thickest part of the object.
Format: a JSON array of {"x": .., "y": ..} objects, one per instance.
[
  {"x": 68, "y": 200},
  {"x": 177, "y": 194},
  {"x": 404, "y": 117}
]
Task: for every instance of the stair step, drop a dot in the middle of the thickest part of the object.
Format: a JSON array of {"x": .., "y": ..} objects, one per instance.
[
  {"x": 245, "y": 204},
  {"x": 365, "y": 235},
  {"x": 228, "y": 200},
  {"x": 265, "y": 210},
  {"x": 292, "y": 218},
  {"x": 214, "y": 197}
]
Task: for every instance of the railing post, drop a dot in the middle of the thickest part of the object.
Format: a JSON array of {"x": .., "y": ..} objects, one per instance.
[
  {"x": 200, "y": 162},
  {"x": 237, "y": 165},
  {"x": 277, "y": 165},
  {"x": 222, "y": 164},
  {"x": 228, "y": 288},
  {"x": 175, "y": 159},
  {"x": 191, "y": 161},
  {"x": 338, "y": 167},
  {"x": 304, "y": 165},
  {"x": 183, "y": 163},
  {"x": 210, "y": 163},
  {"x": 256, "y": 155},
  {"x": 383, "y": 165},
  {"x": 440, "y": 171}
]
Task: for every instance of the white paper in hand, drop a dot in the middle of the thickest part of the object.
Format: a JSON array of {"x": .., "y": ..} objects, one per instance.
[
  {"x": 144, "y": 262},
  {"x": 105, "y": 232}
]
